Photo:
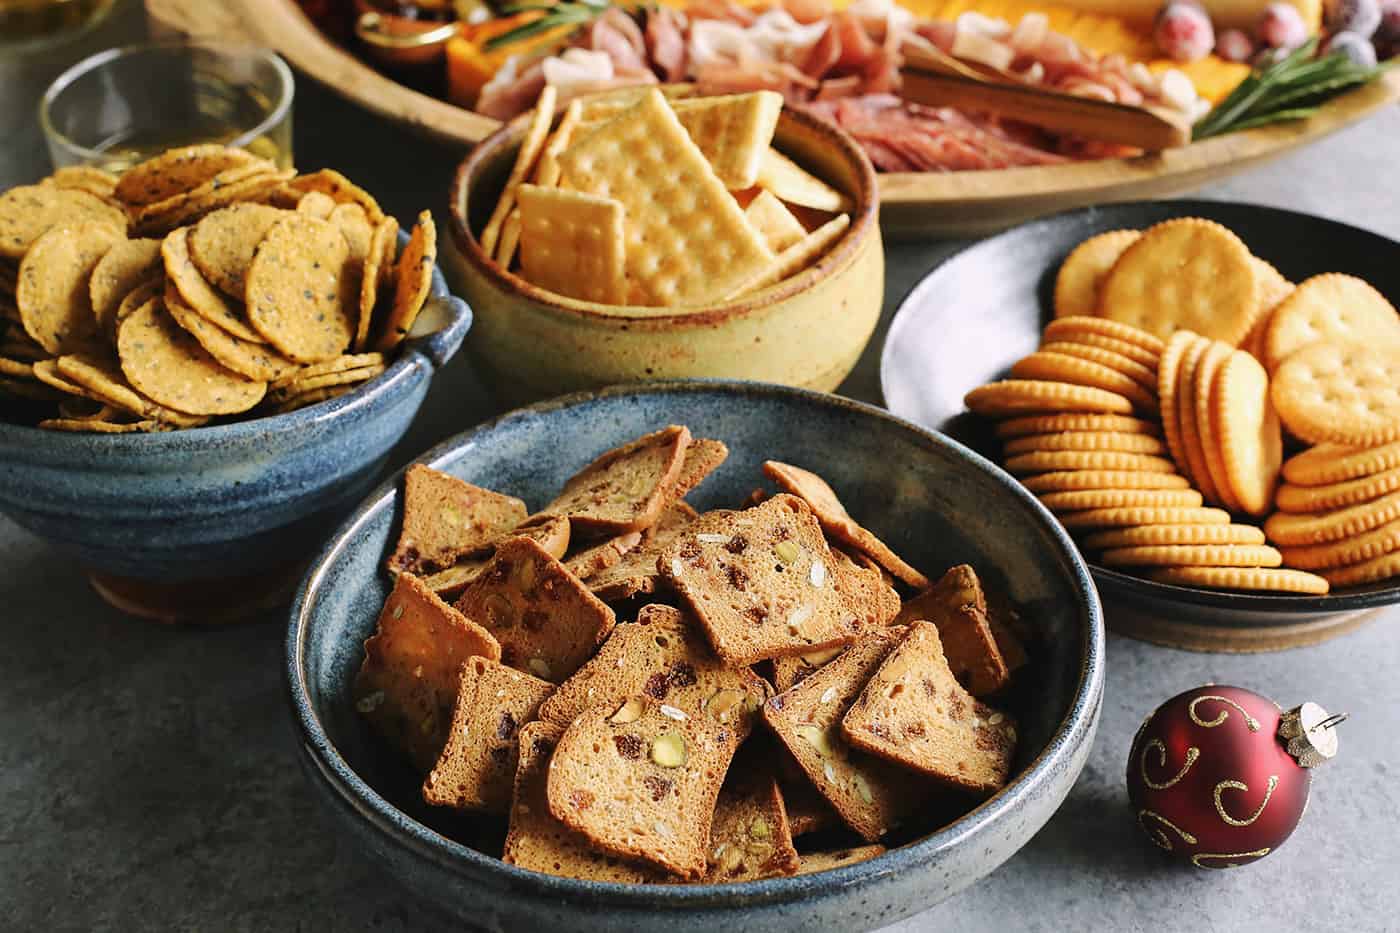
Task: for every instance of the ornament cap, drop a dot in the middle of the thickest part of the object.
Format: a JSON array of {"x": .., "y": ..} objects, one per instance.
[{"x": 1308, "y": 733}]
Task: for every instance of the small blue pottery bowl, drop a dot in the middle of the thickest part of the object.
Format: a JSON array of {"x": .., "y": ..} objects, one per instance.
[
  {"x": 936, "y": 502},
  {"x": 209, "y": 524}
]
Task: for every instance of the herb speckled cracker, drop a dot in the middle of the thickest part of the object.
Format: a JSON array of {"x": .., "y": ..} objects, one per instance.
[
  {"x": 165, "y": 363},
  {"x": 125, "y": 266},
  {"x": 914, "y": 712},
  {"x": 223, "y": 242},
  {"x": 413, "y": 278},
  {"x": 181, "y": 272},
  {"x": 760, "y": 582},
  {"x": 407, "y": 685},
  {"x": 477, "y": 766},
  {"x": 29, "y": 211},
  {"x": 688, "y": 242},
  {"x": 546, "y": 621},
  {"x": 870, "y": 795},
  {"x": 538, "y": 841},
  {"x": 177, "y": 171},
  {"x": 445, "y": 518},
  {"x": 640, "y": 780},
  {"x": 626, "y": 488},
  {"x": 102, "y": 378},
  {"x": 300, "y": 295},
  {"x": 958, "y": 607},
  {"x": 255, "y": 361},
  {"x": 54, "y": 301},
  {"x": 340, "y": 189}
]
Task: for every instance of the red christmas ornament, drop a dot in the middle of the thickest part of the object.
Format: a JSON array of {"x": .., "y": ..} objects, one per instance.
[{"x": 1219, "y": 776}]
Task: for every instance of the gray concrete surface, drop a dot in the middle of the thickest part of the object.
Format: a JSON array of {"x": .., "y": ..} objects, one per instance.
[{"x": 147, "y": 779}]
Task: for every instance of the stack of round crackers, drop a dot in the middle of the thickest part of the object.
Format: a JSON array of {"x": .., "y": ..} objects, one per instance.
[
  {"x": 202, "y": 283},
  {"x": 1244, "y": 364}
]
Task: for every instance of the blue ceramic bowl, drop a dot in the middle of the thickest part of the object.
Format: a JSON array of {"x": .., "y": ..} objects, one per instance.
[
  {"x": 935, "y": 501},
  {"x": 223, "y": 502}
]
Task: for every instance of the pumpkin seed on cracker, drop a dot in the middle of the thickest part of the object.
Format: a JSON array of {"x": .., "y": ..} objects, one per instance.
[
  {"x": 53, "y": 298},
  {"x": 222, "y": 244},
  {"x": 126, "y": 265},
  {"x": 413, "y": 279},
  {"x": 298, "y": 289},
  {"x": 162, "y": 361},
  {"x": 377, "y": 276},
  {"x": 256, "y": 361},
  {"x": 196, "y": 291},
  {"x": 29, "y": 211}
]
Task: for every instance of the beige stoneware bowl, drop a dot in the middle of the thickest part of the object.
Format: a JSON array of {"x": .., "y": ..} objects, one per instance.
[{"x": 806, "y": 331}]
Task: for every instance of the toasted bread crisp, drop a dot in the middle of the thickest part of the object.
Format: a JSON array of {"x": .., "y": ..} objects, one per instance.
[
  {"x": 626, "y": 488},
  {"x": 636, "y": 572},
  {"x": 750, "y": 837},
  {"x": 702, "y": 458},
  {"x": 538, "y": 841},
  {"x": 807, "y": 811},
  {"x": 837, "y": 522},
  {"x": 958, "y": 607},
  {"x": 813, "y": 862},
  {"x": 477, "y": 767},
  {"x": 870, "y": 795},
  {"x": 663, "y": 656},
  {"x": 865, "y": 589},
  {"x": 790, "y": 671},
  {"x": 547, "y": 622},
  {"x": 408, "y": 683},
  {"x": 445, "y": 518},
  {"x": 593, "y": 560},
  {"x": 760, "y": 582},
  {"x": 640, "y": 779},
  {"x": 914, "y": 712}
]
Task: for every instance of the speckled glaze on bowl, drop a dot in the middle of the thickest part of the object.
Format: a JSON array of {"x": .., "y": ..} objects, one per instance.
[
  {"x": 935, "y": 501},
  {"x": 806, "y": 331},
  {"x": 144, "y": 511}
]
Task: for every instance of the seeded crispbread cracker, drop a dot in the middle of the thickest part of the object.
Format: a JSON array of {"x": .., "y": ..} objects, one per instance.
[
  {"x": 537, "y": 128},
  {"x": 300, "y": 290},
  {"x": 52, "y": 293},
  {"x": 687, "y": 240},
  {"x": 1330, "y": 308},
  {"x": 29, "y": 211},
  {"x": 836, "y": 521},
  {"x": 792, "y": 183},
  {"x": 222, "y": 244},
  {"x": 476, "y": 770},
  {"x": 626, "y": 488},
  {"x": 126, "y": 265},
  {"x": 1082, "y": 273},
  {"x": 640, "y": 779},
  {"x": 780, "y": 229},
  {"x": 662, "y": 656},
  {"x": 1343, "y": 394},
  {"x": 958, "y": 607},
  {"x": 760, "y": 582},
  {"x": 164, "y": 363},
  {"x": 255, "y": 361},
  {"x": 733, "y": 131},
  {"x": 636, "y": 572},
  {"x": 592, "y": 560},
  {"x": 89, "y": 178},
  {"x": 914, "y": 712},
  {"x": 538, "y": 841},
  {"x": 813, "y": 862},
  {"x": 151, "y": 289},
  {"x": 1033, "y": 396},
  {"x": 407, "y": 685},
  {"x": 378, "y": 272},
  {"x": 302, "y": 385},
  {"x": 703, "y": 456},
  {"x": 181, "y": 272},
  {"x": 870, "y": 795},
  {"x": 448, "y": 584},
  {"x": 445, "y": 518},
  {"x": 572, "y": 243},
  {"x": 797, "y": 257},
  {"x": 750, "y": 837},
  {"x": 413, "y": 280},
  {"x": 177, "y": 171},
  {"x": 545, "y": 619}
]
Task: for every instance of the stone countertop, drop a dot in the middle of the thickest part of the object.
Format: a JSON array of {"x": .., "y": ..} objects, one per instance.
[{"x": 148, "y": 778}]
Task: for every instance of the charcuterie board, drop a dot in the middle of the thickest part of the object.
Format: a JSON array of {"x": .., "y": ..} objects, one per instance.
[{"x": 913, "y": 204}]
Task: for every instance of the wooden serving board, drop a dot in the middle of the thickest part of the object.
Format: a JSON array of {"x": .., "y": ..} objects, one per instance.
[{"x": 913, "y": 204}]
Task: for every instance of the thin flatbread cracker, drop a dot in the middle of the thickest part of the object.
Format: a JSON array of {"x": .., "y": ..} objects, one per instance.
[
  {"x": 779, "y": 227},
  {"x": 800, "y": 255},
  {"x": 792, "y": 183},
  {"x": 530, "y": 148},
  {"x": 733, "y": 131}
]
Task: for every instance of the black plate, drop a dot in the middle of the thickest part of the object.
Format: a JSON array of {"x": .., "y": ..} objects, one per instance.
[{"x": 973, "y": 316}]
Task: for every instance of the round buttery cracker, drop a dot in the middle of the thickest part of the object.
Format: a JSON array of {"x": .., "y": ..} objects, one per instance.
[
  {"x": 1075, "y": 421},
  {"x": 1248, "y": 434},
  {"x": 1050, "y": 461},
  {"x": 1192, "y": 555},
  {"x": 1253, "y": 579},
  {"x": 164, "y": 362},
  {"x": 1139, "y": 355},
  {"x": 1292, "y": 498},
  {"x": 1065, "y": 480},
  {"x": 1184, "y": 274},
  {"x": 1086, "y": 440},
  {"x": 1374, "y": 543},
  {"x": 1074, "y": 500},
  {"x": 1370, "y": 571},
  {"x": 299, "y": 289},
  {"x": 1060, "y": 367},
  {"x": 1330, "y": 308},
  {"x": 1025, "y": 396},
  {"x": 413, "y": 279},
  {"x": 222, "y": 244},
  {"x": 29, "y": 211},
  {"x": 1084, "y": 269},
  {"x": 256, "y": 361},
  {"x": 181, "y": 271},
  {"x": 1168, "y": 388},
  {"x": 126, "y": 265},
  {"x": 1143, "y": 375},
  {"x": 1293, "y": 530},
  {"x": 1335, "y": 463},
  {"x": 1078, "y": 328},
  {"x": 1195, "y": 466},
  {"x": 1343, "y": 394},
  {"x": 1159, "y": 535},
  {"x": 1204, "y": 392},
  {"x": 52, "y": 294},
  {"x": 1144, "y": 515}
]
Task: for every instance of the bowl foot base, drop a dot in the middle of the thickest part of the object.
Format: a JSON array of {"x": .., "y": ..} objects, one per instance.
[{"x": 199, "y": 602}]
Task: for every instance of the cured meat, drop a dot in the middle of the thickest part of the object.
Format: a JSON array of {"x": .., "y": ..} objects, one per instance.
[{"x": 665, "y": 35}]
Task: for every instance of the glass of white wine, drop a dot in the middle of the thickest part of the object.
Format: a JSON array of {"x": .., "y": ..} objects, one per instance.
[{"x": 121, "y": 106}]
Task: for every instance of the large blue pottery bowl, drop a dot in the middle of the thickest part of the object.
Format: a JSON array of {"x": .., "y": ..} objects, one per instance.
[
  {"x": 935, "y": 501},
  {"x": 208, "y": 523}
]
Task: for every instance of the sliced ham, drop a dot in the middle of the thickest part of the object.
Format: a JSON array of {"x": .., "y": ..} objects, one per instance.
[{"x": 665, "y": 35}]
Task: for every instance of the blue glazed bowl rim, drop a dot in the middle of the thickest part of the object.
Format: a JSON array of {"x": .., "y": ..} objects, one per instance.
[{"x": 1076, "y": 727}]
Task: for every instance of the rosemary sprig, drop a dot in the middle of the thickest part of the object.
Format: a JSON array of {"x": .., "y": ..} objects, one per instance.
[
  {"x": 564, "y": 13},
  {"x": 1289, "y": 89}
]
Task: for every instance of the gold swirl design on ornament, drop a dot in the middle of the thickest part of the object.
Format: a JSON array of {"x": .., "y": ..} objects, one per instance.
[
  {"x": 1192, "y": 754},
  {"x": 1199, "y": 857},
  {"x": 1249, "y": 720},
  {"x": 1239, "y": 785},
  {"x": 1156, "y": 834}
]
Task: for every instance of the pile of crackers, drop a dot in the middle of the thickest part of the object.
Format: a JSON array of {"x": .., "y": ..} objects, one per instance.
[
  {"x": 1180, "y": 372},
  {"x": 637, "y": 199},
  {"x": 202, "y": 283},
  {"x": 644, "y": 694}
]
